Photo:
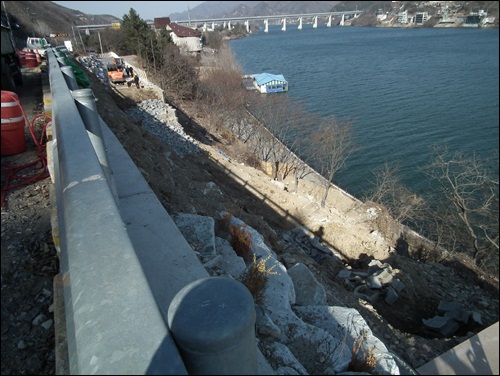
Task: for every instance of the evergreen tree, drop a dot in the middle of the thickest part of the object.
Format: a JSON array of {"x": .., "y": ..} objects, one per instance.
[{"x": 136, "y": 32}]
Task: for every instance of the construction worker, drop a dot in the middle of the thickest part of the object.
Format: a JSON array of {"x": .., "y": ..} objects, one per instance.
[{"x": 136, "y": 79}]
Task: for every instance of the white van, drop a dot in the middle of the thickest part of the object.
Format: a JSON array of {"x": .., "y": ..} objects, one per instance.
[{"x": 38, "y": 45}]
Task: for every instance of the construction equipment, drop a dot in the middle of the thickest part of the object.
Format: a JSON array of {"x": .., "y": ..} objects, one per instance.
[{"x": 115, "y": 67}]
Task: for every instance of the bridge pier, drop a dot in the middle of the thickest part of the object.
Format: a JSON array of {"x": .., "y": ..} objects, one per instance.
[
  {"x": 315, "y": 22},
  {"x": 300, "y": 23},
  {"x": 284, "y": 24}
]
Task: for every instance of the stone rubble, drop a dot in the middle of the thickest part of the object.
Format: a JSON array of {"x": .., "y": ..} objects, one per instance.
[
  {"x": 297, "y": 331},
  {"x": 378, "y": 281},
  {"x": 451, "y": 319},
  {"x": 160, "y": 119}
]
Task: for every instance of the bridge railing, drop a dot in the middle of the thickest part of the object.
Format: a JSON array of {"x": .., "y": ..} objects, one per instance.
[{"x": 130, "y": 279}]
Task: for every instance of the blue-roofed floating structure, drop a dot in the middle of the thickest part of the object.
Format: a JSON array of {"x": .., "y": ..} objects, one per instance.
[{"x": 270, "y": 83}]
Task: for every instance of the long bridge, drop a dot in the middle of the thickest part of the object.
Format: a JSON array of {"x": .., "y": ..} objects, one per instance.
[
  {"x": 226, "y": 21},
  {"x": 265, "y": 19}
]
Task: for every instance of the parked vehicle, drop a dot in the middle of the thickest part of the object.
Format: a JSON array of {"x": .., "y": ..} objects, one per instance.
[{"x": 38, "y": 45}]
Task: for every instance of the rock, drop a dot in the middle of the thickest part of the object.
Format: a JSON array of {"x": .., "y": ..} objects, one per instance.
[
  {"x": 442, "y": 325},
  {"x": 307, "y": 289},
  {"x": 21, "y": 345},
  {"x": 39, "y": 319},
  {"x": 445, "y": 306},
  {"x": 47, "y": 324},
  {"x": 391, "y": 296},
  {"x": 198, "y": 231}
]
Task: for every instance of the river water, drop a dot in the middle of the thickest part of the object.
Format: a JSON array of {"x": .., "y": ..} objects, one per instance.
[{"x": 404, "y": 89}]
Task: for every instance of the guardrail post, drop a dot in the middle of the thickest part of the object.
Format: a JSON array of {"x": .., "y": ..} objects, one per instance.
[
  {"x": 69, "y": 77},
  {"x": 212, "y": 321},
  {"x": 62, "y": 61},
  {"x": 85, "y": 102}
]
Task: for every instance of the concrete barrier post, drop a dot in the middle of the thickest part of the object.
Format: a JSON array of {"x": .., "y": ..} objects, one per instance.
[{"x": 213, "y": 323}]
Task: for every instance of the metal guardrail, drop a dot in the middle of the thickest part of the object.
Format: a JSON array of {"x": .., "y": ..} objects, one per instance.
[{"x": 116, "y": 319}]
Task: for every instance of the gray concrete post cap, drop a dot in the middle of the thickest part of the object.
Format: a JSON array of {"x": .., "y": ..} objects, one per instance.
[{"x": 213, "y": 314}]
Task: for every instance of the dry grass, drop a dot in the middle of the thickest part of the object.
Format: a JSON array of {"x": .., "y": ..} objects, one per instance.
[
  {"x": 241, "y": 241},
  {"x": 256, "y": 275},
  {"x": 363, "y": 360},
  {"x": 255, "y": 278}
]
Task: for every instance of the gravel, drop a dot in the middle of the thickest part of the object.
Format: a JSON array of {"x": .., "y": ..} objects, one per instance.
[{"x": 159, "y": 119}]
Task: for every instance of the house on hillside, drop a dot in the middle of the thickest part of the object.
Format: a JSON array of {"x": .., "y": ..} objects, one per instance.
[{"x": 186, "y": 38}]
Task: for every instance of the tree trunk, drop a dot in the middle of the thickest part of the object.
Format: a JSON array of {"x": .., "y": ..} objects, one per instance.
[
  {"x": 274, "y": 173},
  {"x": 296, "y": 185},
  {"x": 323, "y": 199}
]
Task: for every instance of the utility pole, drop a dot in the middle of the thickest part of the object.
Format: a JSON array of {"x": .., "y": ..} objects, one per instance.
[
  {"x": 99, "y": 35},
  {"x": 81, "y": 40},
  {"x": 74, "y": 36},
  {"x": 189, "y": 16}
]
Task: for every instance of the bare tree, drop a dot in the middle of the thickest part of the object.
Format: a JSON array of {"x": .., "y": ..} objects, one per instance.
[
  {"x": 213, "y": 39},
  {"x": 471, "y": 208},
  {"x": 301, "y": 145},
  {"x": 282, "y": 118},
  {"x": 333, "y": 144},
  {"x": 402, "y": 204},
  {"x": 220, "y": 95},
  {"x": 178, "y": 75}
]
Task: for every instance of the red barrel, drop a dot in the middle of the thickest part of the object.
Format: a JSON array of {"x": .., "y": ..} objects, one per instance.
[
  {"x": 22, "y": 58},
  {"x": 31, "y": 60},
  {"x": 11, "y": 108},
  {"x": 12, "y": 131}
]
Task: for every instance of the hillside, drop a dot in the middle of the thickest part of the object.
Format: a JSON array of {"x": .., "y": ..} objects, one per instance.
[{"x": 42, "y": 18}]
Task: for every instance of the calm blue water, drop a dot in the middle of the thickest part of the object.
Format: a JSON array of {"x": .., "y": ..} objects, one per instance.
[{"x": 405, "y": 90}]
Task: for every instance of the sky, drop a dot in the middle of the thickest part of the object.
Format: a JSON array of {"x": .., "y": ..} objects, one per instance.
[{"x": 145, "y": 9}]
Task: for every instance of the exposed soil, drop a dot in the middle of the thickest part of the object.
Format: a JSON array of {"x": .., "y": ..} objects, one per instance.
[{"x": 29, "y": 260}]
